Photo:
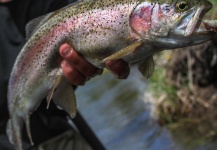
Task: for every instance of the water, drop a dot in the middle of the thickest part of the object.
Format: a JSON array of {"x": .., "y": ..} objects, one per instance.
[{"x": 116, "y": 111}]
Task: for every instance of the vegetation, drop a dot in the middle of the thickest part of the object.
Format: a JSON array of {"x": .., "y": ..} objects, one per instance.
[{"x": 184, "y": 92}]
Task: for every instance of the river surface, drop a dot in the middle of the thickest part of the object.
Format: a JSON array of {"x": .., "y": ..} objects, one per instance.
[{"x": 116, "y": 111}]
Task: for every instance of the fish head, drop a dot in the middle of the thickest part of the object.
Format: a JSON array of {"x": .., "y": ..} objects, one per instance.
[{"x": 171, "y": 23}]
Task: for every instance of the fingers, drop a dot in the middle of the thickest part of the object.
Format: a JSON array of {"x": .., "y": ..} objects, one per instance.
[
  {"x": 72, "y": 75},
  {"x": 77, "y": 61},
  {"x": 119, "y": 68},
  {"x": 75, "y": 68}
]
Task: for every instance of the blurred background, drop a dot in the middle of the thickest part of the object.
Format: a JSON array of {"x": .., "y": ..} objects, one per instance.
[{"x": 173, "y": 110}]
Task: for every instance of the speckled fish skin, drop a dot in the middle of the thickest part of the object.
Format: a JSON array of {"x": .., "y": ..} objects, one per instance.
[{"x": 97, "y": 30}]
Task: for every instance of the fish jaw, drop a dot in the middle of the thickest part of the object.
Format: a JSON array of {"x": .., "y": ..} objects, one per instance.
[
  {"x": 191, "y": 26},
  {"x": 170, "y": 27},
  {"x": 191, "y": 21},
  {"x": 187, "y": 31}
]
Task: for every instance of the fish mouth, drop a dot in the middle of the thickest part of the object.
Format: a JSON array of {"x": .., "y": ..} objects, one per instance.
[
  {"x": 190, "y": 23},
  {"x": 188, "y": 31}
]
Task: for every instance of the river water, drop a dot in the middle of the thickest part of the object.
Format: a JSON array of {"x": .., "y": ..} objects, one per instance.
[{"x": 116, "y": 111}]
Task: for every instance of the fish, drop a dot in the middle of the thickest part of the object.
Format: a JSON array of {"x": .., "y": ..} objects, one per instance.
[{"x": 100, "y": 30}]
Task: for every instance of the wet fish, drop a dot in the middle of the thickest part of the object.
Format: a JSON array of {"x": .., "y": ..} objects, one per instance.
[{"x": 100, "y": 30}]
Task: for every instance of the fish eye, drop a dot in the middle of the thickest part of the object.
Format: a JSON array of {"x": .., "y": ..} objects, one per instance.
[{"x": 183, "y": 5}]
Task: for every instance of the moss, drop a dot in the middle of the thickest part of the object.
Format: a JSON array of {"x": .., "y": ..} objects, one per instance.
[{"x": 158, "y": 85}]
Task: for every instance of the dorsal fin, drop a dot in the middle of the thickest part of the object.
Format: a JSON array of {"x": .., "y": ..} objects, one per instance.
[{"x": 34, "y": 24}]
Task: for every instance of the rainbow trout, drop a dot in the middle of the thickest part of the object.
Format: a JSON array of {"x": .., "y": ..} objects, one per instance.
[{"x": 100, "y": 30}]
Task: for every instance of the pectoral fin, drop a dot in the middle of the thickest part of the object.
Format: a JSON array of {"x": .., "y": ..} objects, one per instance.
[
  {"x": 64, "y": 97},
  {"x": 146, "y": 67},
  {"x": 124, "y": 52}
]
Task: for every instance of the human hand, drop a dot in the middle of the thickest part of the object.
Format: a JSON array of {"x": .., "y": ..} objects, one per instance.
[
  {"x": 119, "y": 68},
  {"x": 77, "y": 70}
]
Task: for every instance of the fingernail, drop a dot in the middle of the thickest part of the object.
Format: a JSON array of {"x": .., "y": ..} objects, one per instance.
[{"x": 67, "y": 51}]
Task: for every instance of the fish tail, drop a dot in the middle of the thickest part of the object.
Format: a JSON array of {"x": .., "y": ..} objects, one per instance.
[{"x": 14, "y": 126}]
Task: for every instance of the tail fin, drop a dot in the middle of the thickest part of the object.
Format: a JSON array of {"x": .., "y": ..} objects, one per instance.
[{"x": 14, "y": 127}]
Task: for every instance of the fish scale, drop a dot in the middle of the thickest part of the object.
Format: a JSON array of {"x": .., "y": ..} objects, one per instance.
[{"x": 100, "y": 30}]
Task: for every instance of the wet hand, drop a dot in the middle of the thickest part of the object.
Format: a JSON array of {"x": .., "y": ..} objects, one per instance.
[{"x": 77, "y": 70}]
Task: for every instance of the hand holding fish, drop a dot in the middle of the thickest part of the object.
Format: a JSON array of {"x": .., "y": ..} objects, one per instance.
[
  {"x": 104, "y": 32},
  {"x": 77, "y": 70}
]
